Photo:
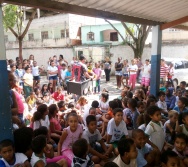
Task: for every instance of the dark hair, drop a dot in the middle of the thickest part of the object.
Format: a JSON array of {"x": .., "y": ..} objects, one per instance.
[
  {"x": 42, "y": 90},
  {"x": 71, "y": 105},
  {"x": 184, "y": 100},
  {"x": 124, "y": 145},
  {"x": 61, "y": 104},
  {"x": 110, "y": 164},
  {"x": 95, "y": 104},
  {"x": 72, "y": 114},
  {"x": 80, "y": 148},
  {"x": 41, "y": 131},
  {"x": 6, "y": 143},
  {"x": 105, "y": 95},
  {"x": 181, "y": 136},
  {"x": 12, "y": 65},
  {"x": 90, "y": 118},
  {"x": 152, "y": 110},
  {"x": 183, "y": 83},
  {"x": 118, "y": 101},
  {"x": 52, "y": 165},
  {"x": 22, "y": 139},
  {"x": 136, "y": 132},
  {"x": 113, "y": 104},
  {"x": 92, "y": 109},
  {"x": 166, "y": 155},
  {"x": 185, "y": 114},
  {"x": 140, "y": 103},
  {"x": 61, "y": 56},
  {"x": 124, "y": 101},
  {"x": 129, "y": 94},
  {"x": 149, "y": 101},
  {"x": 38, "y": 144},
  {"x": 116, "y": 110},
  {"x": 132, "y": 103},
  {"x": 41, "y": 109},
  {"x": 26, "y": 68},
  {"x": 52, "y": 108},
  {"x": 161, "y": 93}
]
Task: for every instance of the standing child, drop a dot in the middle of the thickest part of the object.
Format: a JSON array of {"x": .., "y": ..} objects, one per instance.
[
  {"x": 116, "y": 129},
  {"x": 125, "y": 73},
  {"x": 9, "y": 157},
  {"x": 127, "y": 153},
  {"x": 69, "y": 135},
  {"x": 155, "y": 128},
  {"x": 97, "y": 70}
]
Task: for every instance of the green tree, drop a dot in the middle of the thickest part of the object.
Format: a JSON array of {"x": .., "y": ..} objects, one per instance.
[
  {"x": 136, "y": 36},
  {"x": 13, "y": 19}
]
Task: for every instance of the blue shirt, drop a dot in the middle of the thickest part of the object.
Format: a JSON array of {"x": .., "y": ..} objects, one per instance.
[
  {"x": 178, "y": 110},
  {"x": 67, "y": 74}
]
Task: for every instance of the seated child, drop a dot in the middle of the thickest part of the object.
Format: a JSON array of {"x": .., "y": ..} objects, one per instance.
[
  {"x": 180, "y": 149},
  {"x": 81, "y": 159},
  {"x": 169, "y": 159},
  {"x": 154, "y": 130},
  {"x": 161, "y": 103},
  {"x": 97, "y": 151},
  {"x": 116, "y": 129},
  {"x": 146, "y": 154},
  {"x": 103, "y": 104},
  {"x": 110, "y": 164},
  {"x": 9, "y": 157},
  {"x": 40, "y": 150},
  {"x": 127, "y": 153}
]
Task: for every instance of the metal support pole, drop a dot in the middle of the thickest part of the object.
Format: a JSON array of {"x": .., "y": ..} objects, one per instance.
[
  {"x": 155, "y": 59},
  {"x": 5, "y": 108}
]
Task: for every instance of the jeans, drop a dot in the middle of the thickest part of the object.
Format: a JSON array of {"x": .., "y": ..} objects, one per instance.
[
  {"x": 107, "y": 73},
  {"x": 97, "y": 86}
]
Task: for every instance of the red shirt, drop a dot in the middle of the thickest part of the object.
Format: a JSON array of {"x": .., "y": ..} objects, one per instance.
[{"x": 58, "y": 96}]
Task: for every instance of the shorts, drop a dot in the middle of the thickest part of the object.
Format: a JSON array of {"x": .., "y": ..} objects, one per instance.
[
  {"x": 36, "y": 78},
  {"x": 53, "y": 77},
  {"x": 145, "y": 81},
  {"x": 115, "y": 143},
  {"x": 97, "y": 148},
  {"x": 118, "y": 73},
  {"x": 125, "y": 75}
]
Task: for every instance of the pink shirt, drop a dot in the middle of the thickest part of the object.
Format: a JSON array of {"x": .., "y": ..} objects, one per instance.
[
  {"x": 71, "y": 137},
  {"x": 57, "y": 126},
  {"x": 19, "y": 102},
  {"x": 98, "y": 72}
]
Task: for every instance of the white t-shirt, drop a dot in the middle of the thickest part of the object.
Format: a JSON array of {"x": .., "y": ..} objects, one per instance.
[
  {"x": 133, "y": 67},
  {"x": 116, "y": 131},
  {"x": 38, "y": 124},
  {"x": 156, "y": 133},
  {"x": 63, "y": 72},
  {"x": 104, "y": 106},
  {"x": 20, "y": 158},
  {"x": 28, "y": 78},
  {"x": 35, "y": 159},
  {"x": 52, "y": 69},
  {"x": 35, "y": 71},
  {"x": 120, "y": 163},
  {"x": 146, "y": 71}
]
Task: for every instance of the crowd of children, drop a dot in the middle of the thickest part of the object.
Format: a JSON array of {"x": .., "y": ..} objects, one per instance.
[{"x": 52, "y": 128}]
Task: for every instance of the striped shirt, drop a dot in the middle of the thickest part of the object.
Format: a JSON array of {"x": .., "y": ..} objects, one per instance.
[{"x": 163, "y": 71}]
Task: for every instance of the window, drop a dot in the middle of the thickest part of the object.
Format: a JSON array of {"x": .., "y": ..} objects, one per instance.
[
  {"x": 90, "y": 36},
  {"x": 6, "y": 38},
  {"x": 44, "y": 34},
  {"x": 113, "y": 36},
  {"x": 30, "y": 37},
  {"x": 179, "y": 65},
  {"x": 62, "y": 33},
  {"x": 67, "y": 33}
]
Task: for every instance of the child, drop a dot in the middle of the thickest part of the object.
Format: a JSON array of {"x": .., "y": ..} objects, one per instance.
[
  {"x": 139, "y": 95},
  {"x": 92, "y": 135},
  {"x": 103, "y": 104},
  {"x": 110, "y": 164},
  {"x": 81, "y": 105},
  {"x": 181, "y": 107},
  {"x": 44, "y": 89},
  {"x": 116, "y": 129},
  {"x": 127, "y": 153},
  {"x": 146, "y": 155},
  {"x": 183, "y": 128},
  {"x": 161, "y": 103},
  {"x": 155, "y": 128},
  {"x": 169, "y": 159},
  {"x": 41, "y": 150},
  {"x": 178, "y": 95},
  {"x": 170, "y": 126},
  {"x": 80, "y": 150},
  {"x": 97, "y": 70},
  {"x": 180, "y": 148},
  {"x": 69, "y": 135},
  {"x": 9, "y": 157},
  {"x": 141, "y": 107},
  {"x": 125, "y": 73}
]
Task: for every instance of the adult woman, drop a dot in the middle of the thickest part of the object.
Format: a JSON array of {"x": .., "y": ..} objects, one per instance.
[
  {"x": 133, "y": 70},
  {"x": 52, "y": 73},
  {"x": 118, "y": 72},
  {"x": 107, "y": 68},
  {"x": 28, "y": 81}
]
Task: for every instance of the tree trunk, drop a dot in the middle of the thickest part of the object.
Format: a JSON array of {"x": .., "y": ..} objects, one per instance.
[{"x": 20, "y": 49}]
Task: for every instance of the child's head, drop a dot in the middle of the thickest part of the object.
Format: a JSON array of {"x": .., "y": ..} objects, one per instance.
[
  {"x": 61, "y": 105},
  {"x": 139, "y": 138},
  {"x": 80, "y": 148},
  {"x": 91, "y": 123},
  {"x": 132, "y": 103},
  {"x": 118, "y": 114},
  {"x": 182, "y": 102},
  {"x": 82, "y": 101},
  {"x": 180, "y": 142},
  {"x": 112, "y": 105},
  {"x": 127, "y": 148},
  {"x": 170, "y": 159},
  {"x": 92, "y": 111},
  {"x": 173, "y": 116},
  {"x": 123, "y": 93},
  {"x": 38, "y": 144},
  {"x": 41, "y": 131},
  {"x": 185, "y": 118},
  {"x": 178, "y": 93},
  {"x": 150, "y": 102},
  {"x": 182, "y": 84},
  {"x": 110, "y": 164},
  {"x": 129, "y": 94},
  {"x": 104, "y": 97},
  {"x": 118, "y": 102},
  {"x": 7, "y": 150},
  {"x": 42, "y": 111},
  {"x": 124, "y": 102},
  {"x": 155, "y": 113},
  {"x": 70, "y": 105},
  {"x": 161, "y": 96},
  {"x": 127, "y": 88},
  {"x": 141, "y": 106},
  {"x": 72, "y": 119},
  {"x": 95, "y": 104},
  {"x": 53, "y": 110}
]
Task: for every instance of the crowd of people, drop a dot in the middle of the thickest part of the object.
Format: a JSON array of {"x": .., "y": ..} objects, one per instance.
[{"x": 53, "y": 128}]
